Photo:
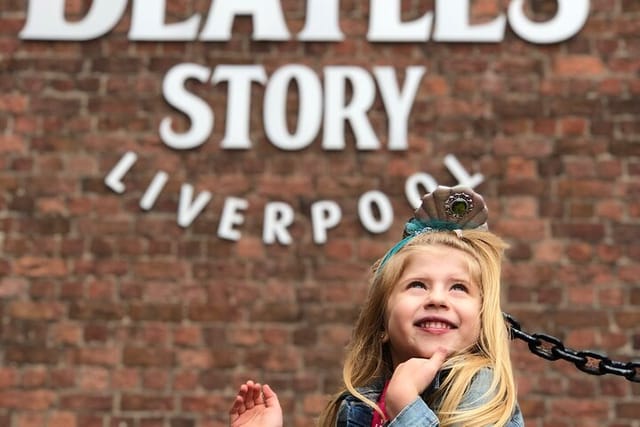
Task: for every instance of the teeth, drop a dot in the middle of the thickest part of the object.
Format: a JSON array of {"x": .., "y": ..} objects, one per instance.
[{"x": 435, "y": 325}]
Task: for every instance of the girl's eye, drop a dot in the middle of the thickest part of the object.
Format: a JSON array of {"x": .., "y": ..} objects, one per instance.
[
  {"x": 460, "y": 287},
  {"x": 417, "y": 284}
]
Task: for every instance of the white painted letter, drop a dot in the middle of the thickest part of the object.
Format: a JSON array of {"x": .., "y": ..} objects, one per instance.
[
  {"x": 413, "y": 185},
  {"x": 336, "y": 112},
  {"x": 385, "y": 24},
  {"x": 231, "y": 216},
  {"x": 196, "y": 109},
  {"x": 461, "y": 174},
  {"x": 236, "y": 135},
  {"x": 114, "y": 179},
  {"x": 322, "y": 22},
  {"x": 569, "y": 20},
  {"x": 368, "y": 218},
  {"x": 398, "y": 103},
  {"x": 268, "y": 19},
  {"x": 277, "y": 217},
  {"x": 153, "y": 191},
  {"x": 452, "y": 24},
  {"x": 46, "y": 20},
  {"x": 188, "y": 210},
  {"x": 325, "y": 214},
  {"x": 309, "y": 113},
  {"x": 148, "y": 23}
]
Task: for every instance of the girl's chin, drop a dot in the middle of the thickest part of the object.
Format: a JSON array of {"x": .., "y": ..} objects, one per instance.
[
  {"x": 428, "y": 353},
  {"x": 424, "y": 354}
]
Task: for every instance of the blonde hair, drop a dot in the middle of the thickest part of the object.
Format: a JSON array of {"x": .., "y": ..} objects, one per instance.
[{"x": 368, "y": 358}]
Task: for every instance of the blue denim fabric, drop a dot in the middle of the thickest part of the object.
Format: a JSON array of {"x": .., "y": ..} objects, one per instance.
[{"x": 354, "y": 413}]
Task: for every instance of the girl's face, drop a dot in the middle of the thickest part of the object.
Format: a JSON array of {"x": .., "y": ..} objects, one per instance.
[{"x": 435, "y": 303}]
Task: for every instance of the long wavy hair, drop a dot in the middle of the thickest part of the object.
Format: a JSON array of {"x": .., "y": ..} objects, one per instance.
[{"x": 368, "y": 358}]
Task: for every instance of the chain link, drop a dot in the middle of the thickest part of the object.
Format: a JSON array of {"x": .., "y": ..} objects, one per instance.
[{"x": 551, "y": 348}]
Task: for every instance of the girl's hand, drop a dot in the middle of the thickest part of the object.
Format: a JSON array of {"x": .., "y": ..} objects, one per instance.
[
  {"x": 411, "y": 378},
  {"x": 255, "y": 406}
]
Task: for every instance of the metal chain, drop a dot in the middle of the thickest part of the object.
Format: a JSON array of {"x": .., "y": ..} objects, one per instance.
[{"x": 551, "y": 348}]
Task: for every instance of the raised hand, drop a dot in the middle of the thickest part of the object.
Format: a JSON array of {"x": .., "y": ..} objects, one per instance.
[
  {"x": 255, "y": 406},
  {"x": 410, "y": 378}
]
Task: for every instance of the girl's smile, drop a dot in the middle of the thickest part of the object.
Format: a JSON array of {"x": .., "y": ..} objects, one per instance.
[
  {"x": 435, "y": 303},
  {"x": 435, "y": 325}
]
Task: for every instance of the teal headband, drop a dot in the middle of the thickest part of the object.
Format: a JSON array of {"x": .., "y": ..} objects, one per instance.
[{"x": 444, "y": 209}]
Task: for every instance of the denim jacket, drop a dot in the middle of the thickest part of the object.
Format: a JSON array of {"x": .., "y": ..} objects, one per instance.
[{"x": 355, "y": 413}]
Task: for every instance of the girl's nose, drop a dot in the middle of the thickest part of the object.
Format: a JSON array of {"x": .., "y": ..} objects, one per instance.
[{"x": 436, "y": 297}]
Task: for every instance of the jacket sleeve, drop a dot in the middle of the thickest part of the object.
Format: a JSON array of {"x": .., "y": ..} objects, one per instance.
[
  {"x": 415, "y": 414},
  {"x": 418, "y": 413}
]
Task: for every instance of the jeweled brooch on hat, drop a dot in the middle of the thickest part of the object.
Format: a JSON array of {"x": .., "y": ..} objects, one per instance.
[
  {"x": 445, "y": 208},
  {"x": 449, "y": 208}
]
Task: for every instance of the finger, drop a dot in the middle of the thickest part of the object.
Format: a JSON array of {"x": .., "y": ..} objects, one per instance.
[
  {"x": 237, "y": 408},
  {"x": 439, "y": 356},
  {"x": 259, "y": 395},
  {"x": 253, "y": 395},
  {"x": 248, "y": 402},
  {"x": 242, "y": 392},
  {"x": 270, "y": 397},
  {"x": 247, "y": 389}
]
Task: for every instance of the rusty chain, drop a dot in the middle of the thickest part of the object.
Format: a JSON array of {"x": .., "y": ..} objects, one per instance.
[{"x": 551, "y": 348}]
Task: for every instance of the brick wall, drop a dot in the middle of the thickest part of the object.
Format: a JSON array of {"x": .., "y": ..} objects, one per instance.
[{"x": 114, "y": 316}]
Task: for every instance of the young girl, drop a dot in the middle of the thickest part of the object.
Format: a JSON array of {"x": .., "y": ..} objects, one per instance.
[{"x": 430, "y": 346}]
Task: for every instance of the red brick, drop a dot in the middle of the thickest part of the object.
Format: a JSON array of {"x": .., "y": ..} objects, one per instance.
[
  {"x": 156, "y": 312},
  {"x": 94, "y": 379},
  {"x": 35, "y": 310},
  {"x": 579, "y": 66},
  {"x": 626, "y": 319},
  {"x": 523, "y": 229},
  {"x": 31, "y": 419},
  {"x": 125, "y": 379},
  {"x": 519, "y": 167},
  {"x": 63, "y": 419},
  {"x": 11, "y": 287},
  {"x": 209, "y": 313},
  {"x": 132, "y": 402},
  {"x": 627, "y": 410},
  {"x": 62, "y": 378},
  {"x": 155, "y": 379},
  {"x": 195, "y": 359},
  {"x": 185, "y": 380},
  {"x": 91, "y": 310},
  {"x": 36, "y": 400},
  {"x": 86, "y": 402},
  {"x": 39, "y": 267},
  {"x": 579, "y": 252},
  {"x": 23, "y": 354},
  {"x": 11, "y": 144},
  {"x": 203, "y": 404},
  {"x": 133, "y": 356},
  {"x": 8, "y": 378},
  {"x": 85, "y": 420},
  {"x": 186, "y": 335},
  {"x": 250, "y": 248},
  {"x": 583, "y": 231},
  {"x": 103, "y": 356},
  {"x": 578, "y": 318},
  {"x": 34, "y": 377},
  {"x": 159, "y": 270}
]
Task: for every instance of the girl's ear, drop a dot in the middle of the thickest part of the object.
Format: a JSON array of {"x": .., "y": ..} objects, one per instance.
[{"x": 384, "y": 337}]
